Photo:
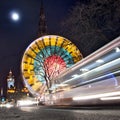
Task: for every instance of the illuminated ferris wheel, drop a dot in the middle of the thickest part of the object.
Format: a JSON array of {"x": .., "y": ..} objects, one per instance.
[{"x": 44, "y": 59}]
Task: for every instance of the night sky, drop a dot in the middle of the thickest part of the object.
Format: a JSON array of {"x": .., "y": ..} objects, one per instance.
[{"x": 16, "y": 36}]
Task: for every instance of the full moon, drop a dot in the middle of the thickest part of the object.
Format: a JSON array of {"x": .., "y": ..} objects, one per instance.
[{"x": 15, "y": 16}]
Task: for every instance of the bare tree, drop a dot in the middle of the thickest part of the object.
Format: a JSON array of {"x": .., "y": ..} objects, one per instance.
[{"x": 91, "y": 25}]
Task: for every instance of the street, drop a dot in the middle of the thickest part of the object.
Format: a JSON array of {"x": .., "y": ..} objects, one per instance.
[{"x": 45, "y": 113}]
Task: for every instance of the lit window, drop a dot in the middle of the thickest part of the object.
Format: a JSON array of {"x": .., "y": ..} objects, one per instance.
[
  {"x": 75, "y": 76},
  {"x": 117, "y": 49},
  {"x": 84, "y": 70},
  {"x": 100, "y": 61}
]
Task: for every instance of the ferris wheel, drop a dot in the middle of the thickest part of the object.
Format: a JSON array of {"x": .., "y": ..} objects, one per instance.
[{"x": 44, "y": 59}]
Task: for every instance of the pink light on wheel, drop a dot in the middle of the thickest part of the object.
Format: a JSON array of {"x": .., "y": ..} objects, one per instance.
[{"x": 54, "y": 65}]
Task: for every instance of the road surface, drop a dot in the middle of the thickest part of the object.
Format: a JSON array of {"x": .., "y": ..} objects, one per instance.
[{"x": 45, "y": 113}]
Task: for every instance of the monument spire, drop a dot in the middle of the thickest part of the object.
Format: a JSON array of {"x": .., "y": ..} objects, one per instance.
[{"x": 42, "y": 30}]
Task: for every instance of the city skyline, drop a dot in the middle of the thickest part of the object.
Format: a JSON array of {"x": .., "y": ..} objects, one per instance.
[{"x": 20, "y": 24}]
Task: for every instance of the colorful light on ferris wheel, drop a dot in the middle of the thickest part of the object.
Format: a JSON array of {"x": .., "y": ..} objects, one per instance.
[{"x": 44, "y": 59}]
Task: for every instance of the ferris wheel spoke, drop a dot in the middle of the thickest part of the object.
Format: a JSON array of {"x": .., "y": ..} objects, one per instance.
[
  {"x": 37, "y": 54},
  {"x": 40, "y": 50},
  {"x": 55, "y": 45},
  {"x": 45, "y": 47},
  {"x": 61, "y": 47},
  {"x": 28, "y": 55},
  {"x": 43, "y": 76},
  {"x": 63, "y": 52}
]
